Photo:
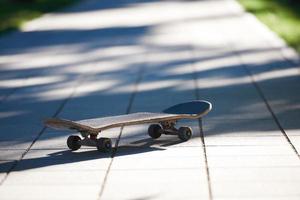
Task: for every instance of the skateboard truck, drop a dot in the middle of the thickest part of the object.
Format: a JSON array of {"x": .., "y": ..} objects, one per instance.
[
  {"x": 74, "y": 142},
  {"x": 168, "y": 128}
]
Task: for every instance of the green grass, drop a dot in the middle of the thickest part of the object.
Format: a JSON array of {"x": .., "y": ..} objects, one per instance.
[
  {"x": 282, "y": 16},
  {"x": 13, "y": 13}
]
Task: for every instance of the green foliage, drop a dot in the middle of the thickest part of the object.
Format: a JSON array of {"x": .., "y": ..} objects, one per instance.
[
  {"x": 13, "y": 13},
  {"x": 282, "y": 16}
]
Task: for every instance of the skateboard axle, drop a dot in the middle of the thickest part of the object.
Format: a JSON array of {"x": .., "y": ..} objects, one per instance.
[
  {"x": 168, "y": 125},
  {"x": 168, "y": 128},
  {"x": 74, "y": 142},
  {"x": 88, "y": 142},
  {"x": 170, "y": 132}
]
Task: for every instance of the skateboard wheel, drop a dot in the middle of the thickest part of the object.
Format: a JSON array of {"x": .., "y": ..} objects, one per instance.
[
  {"x": 154, "y": 131},
  {"x": 185, "y": 133},
  {"x": 73, "y": 142},
  {"x": 104, "y": 145}
]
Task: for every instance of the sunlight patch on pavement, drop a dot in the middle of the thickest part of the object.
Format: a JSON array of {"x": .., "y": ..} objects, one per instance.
[
  {"x": 221, "y": 81},
  {"x": 132, "y": 15},
  {"x": 12, "y": 114},
  {"x": 32, "y": 81},
  {"x": 148, "y": 86},
  {"x": 41, "y": 60},
  {"x": 100, "y": 87},
  {"x": 51, "y": 94},
  {"x": 276, "y": 74}
]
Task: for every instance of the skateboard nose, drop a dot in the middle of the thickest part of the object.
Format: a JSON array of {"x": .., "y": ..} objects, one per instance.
[{"x": 197, "y": 107}]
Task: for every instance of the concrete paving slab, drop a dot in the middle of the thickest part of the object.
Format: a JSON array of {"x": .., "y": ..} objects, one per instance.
[
  {"x": 56, "y": 177},
  {"x": 285, "y": 174},
  {"x": 49, "y": 192},
  {"x": 255, "y": 140},
  {"x": 240, "y": 128},
  {"x": 255, "y": 190},
  {"x": 282, "y": 150},
  {"x": 191, "y": 157},
  {"x": 158, "y": 184},
  {"x": 245, "y": 161}
]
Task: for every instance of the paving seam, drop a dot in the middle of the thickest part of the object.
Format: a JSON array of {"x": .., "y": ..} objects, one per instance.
[
  {"x": 61, "y": 106},
  {"x": 197, "y": 95},
  {"x": 263, "y": 97},
  {"x": 128, "y": 109}
]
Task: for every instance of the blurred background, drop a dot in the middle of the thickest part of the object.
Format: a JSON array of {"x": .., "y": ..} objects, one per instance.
[{"x": 282, "y": 16}]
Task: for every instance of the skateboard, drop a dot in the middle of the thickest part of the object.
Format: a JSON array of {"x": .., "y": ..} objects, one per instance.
[{"x": 162, "y": 123}]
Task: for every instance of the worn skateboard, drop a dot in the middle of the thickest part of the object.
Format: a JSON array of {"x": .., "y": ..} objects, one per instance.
[{"x": 164, "y": 123}]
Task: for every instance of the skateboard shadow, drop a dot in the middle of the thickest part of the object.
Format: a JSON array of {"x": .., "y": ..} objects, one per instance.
[
  {"x": 164, "y": 143},
  {"x": 143, "y": 146},
  {"x": 52, "y": 159},
  {"x": 85, "y": 154}
]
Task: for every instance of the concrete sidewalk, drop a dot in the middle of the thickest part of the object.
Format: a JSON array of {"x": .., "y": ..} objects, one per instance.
[{"x": 102, "y": 58}]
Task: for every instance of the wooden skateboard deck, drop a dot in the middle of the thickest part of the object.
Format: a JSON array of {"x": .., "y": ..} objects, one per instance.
[
  {"x": 90, "y": 128},
  {"x": 188, "y": 110}
]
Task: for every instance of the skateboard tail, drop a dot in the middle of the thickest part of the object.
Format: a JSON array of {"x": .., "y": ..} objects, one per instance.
[
  {"x": 63, "y": 124},
  {"x": 58, "y": 124}
]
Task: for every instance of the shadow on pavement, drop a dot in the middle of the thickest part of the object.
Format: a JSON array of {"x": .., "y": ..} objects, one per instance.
[{"x": 67, "y": 156}]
